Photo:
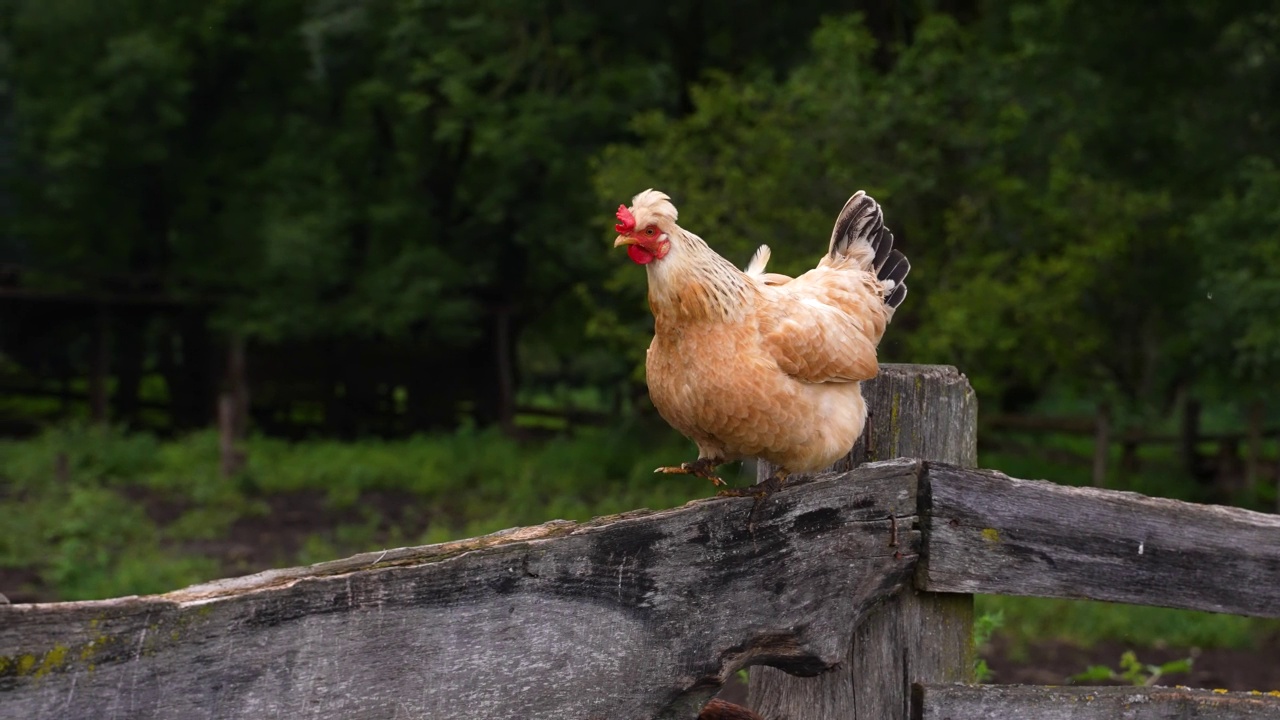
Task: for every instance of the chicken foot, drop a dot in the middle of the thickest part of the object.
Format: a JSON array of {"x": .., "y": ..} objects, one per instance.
[
  {"x": 702, "y": 467},
  {"x": 760, "y": 491}
]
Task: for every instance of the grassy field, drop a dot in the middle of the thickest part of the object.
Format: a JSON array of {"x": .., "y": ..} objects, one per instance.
[{"x": 92, "y": 512}]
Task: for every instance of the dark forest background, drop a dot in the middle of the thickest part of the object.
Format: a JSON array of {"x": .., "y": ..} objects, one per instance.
[{"x": 398, "y": 210}]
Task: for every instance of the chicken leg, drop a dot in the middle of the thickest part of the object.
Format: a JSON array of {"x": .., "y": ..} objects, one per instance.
[
  {"x": 760, "y": 491},
  {"x": 703, "y": 467}
]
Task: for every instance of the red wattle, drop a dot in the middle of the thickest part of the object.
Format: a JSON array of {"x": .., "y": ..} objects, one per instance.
[{"x": 639, "y": 255}]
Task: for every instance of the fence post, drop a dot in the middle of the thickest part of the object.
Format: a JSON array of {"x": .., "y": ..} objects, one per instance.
[{"x": 924, "y": 411}]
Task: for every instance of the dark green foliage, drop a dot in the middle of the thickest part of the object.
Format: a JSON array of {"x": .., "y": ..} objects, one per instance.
[
  {"x": 1053, "y": 195},
  {"x": 398, "y": 185},
  {"x": 418, "y": 191}
]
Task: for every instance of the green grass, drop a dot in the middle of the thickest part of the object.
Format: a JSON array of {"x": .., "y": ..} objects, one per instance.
[
  {"x": 1085, "y": 623},
  {"x": 64, "y": 496}
]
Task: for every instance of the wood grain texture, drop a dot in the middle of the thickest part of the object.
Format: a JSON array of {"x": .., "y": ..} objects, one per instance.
[
  {"x": 988, "y": 533},
  {"x": 642, "y": 615},
  {"x": 1031, "y": 702},
  {"x": 923, "y": 411}
]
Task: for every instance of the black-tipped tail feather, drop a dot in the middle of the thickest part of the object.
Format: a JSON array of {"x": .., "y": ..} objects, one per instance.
[
  {"x": 895, "y": 269},
  {"x": 861, "y": 220}
]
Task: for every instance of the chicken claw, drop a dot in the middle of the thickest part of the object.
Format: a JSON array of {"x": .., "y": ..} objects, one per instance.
[
  {"x": 702, "y": 467},
  {"x": 761, "y": 491}
]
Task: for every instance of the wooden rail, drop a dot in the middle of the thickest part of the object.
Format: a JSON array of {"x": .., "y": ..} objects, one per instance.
[
  {"x": 854, "y": 584},
  {"x": 1021, "y": 702},
  {"x": 991, "y": 534}
]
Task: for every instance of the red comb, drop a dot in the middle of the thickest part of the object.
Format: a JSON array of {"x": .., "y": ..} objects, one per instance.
[{"x": 628, "y": 223}]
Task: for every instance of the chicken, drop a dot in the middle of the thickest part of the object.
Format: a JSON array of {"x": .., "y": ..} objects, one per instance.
[{"x": 760, "y": 365}]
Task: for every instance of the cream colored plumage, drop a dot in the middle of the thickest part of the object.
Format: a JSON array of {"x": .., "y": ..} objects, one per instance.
[{"x": 757, "y": 364}]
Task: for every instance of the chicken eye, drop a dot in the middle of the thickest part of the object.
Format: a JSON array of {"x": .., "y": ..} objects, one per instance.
[{"x": 649, "y": 231}]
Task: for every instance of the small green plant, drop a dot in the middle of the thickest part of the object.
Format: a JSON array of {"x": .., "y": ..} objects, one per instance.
[
  {"x": 1132, "y": 671},
  {"x": 1085, "y": 623},
  {"x": 983, "y": 627}
]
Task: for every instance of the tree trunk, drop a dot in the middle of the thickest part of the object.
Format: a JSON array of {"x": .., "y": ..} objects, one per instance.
[
  {"x": 338, "y": 416},
  {"x": 435, "y": 390},
  {"x": 929, "y": 412},
  {"x": 504, "y": 366},
  {"x": 188, "y": 364},
  {"x": 130, "y": 357},
  {"x": 1277, "y": 478},
  {"x": 100, "y": 365},
  {"x": 64, "y": 406},
  {"x": 492, "y": 380},
  {"x": 1189, "y": 440},
  {"x": 358, "y": 414},
  {"x": 1253, "y": 459},
  {"x": 1101, "y": 444},
  {"x": 1129, "y": 461},
  {"x": 233, "y": 411}
]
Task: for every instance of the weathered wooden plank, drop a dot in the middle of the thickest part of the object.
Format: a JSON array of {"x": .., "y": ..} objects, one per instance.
[
  {"x": 638, "y": 616},
  {"x": 917, "y": 411},
  {"x": 988, "y": 533},
  {"x": 1031, "y": 702}
]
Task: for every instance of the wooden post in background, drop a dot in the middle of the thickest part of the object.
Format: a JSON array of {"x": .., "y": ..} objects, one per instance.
[
  {"x": 924, "y": 411},
  {"x": 233, "y": 411}
]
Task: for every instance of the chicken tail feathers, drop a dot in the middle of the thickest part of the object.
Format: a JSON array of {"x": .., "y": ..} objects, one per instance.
[
  {"x": 859, "y": 224},
  {"x": 894, "y": 274},
  {"x": 860, "y": 230},
  {"x": 759, "y": 260}
]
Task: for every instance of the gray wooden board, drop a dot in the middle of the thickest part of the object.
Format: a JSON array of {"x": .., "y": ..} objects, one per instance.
[
  {"x": 924, "y": 411},
  {"x": 1031, "y": 702},
  {"x": 638, "y": 616},
  {"x": 987, "y": 533}
]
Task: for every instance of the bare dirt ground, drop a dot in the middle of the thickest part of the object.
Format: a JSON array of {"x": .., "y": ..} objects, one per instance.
[{"x": 1051, "y": 663}]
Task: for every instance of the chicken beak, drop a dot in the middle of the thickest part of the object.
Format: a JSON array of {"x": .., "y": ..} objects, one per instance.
[{"x": 625, "y": 240}]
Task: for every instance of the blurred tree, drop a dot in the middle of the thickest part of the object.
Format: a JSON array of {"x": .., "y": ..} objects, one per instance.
[
  {"x": 396, "y": 186},
  {"x": 1006, "y": 230},
  {"x": 1039, "y": 178},
  {"x": 1238, "y": 239},
  {"x": 141, "y": 130}
]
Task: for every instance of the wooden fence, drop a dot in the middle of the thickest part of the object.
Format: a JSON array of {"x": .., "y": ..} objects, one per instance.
[
  {"x": 1228, "y": 467},
  {"x": 848, "y": 592}
]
